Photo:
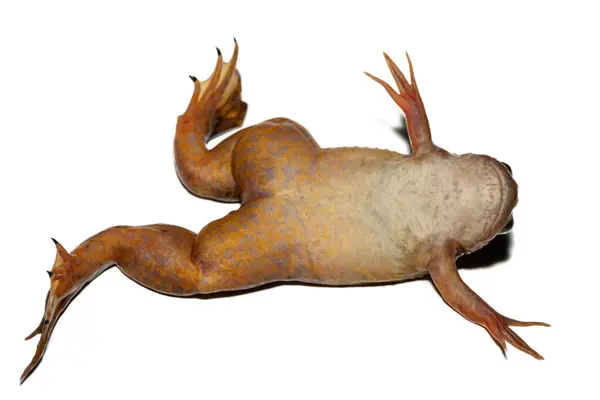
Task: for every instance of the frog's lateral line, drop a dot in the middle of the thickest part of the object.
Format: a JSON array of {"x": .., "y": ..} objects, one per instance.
[{"x": 337, "y": 216}]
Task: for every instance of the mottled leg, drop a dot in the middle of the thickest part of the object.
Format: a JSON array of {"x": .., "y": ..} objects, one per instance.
[
  {"x": 215, "y": 107},
  {"x": 467, "y": 303},
  {"x": 247, "y": 248},
  {"x": 257, "y": 244},
  {"x": 274, "y": 156},
  {"x": 156, "y": 256}
]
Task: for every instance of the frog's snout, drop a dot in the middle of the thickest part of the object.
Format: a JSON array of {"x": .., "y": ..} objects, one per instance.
[
  {"x": 507, "y": 167},
  {"x": 511, "y": 221}
]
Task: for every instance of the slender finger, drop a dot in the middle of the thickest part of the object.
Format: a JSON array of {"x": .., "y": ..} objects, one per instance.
[
  {"x": 496, "y": 334},
  {"x": 413, "y": 81},
  {"x": 514, "y": 322},
  {"x": 520, "y": 344},
  {"x": 395, "y": 96},
  {"x": 399, "y": 77}
]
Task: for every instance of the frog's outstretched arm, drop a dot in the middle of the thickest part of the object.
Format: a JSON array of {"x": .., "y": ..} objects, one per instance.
[
  {"x": 467, "y": 303},
  {"x": 409, "y": 100}
]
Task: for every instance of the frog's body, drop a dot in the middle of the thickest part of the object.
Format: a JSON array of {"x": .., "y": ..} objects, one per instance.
[{"x": 340, "y": 216}]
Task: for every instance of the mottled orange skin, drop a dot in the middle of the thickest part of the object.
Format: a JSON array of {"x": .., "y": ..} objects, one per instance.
[{"x": 341, "y": 216}]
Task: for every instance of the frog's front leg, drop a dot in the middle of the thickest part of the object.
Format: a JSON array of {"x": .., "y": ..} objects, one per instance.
[
  {"x": 409, "y": 100},
  {"x": 466, "y": 302}
]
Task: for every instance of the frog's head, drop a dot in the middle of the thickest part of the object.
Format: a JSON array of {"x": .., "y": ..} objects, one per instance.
[{"x": 488, "y": 194}]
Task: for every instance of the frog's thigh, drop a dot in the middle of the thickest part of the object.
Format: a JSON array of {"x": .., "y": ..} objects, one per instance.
[
  {"x": 272, "y": 156},
  {"x": 249, "y": 247}
]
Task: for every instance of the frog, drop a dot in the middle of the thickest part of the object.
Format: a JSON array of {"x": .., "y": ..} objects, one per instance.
[{"x": 342, "y": 216}]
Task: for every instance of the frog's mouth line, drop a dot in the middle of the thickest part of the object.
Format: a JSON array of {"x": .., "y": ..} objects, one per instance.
[
  {"x": 508, "y": 227},
  {"x": 504, "y": 195}
]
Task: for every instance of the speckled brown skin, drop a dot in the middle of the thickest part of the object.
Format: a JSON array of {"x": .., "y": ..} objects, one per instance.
[{"x": 340, "y": 216}]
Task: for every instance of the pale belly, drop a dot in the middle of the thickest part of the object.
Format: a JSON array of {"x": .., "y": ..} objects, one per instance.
[
  {"x": 347, "y": 244},
  {"x": 368, "y": 216},
  {"x": 351, "y": 230}
]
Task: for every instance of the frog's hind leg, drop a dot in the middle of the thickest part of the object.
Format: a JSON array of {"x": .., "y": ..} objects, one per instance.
[
  {"x": 274, "y": 156},
  {"x": 155, "y": 256},
  {"x": 215, "y": 107},
  {"x": 467, "y": 303},
  {"x": 257, "y": 244}
]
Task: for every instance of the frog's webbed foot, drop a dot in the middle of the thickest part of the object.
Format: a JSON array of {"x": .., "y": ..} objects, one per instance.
[
  {"x": 53, "y": 310},
  {"x": 56, "y": 302},
  {"x": 467, "y": 303},
  {"x": 409, "y": 100},
  {"x": 218, "y": 100},
  {"x": 215, "y": 106}
]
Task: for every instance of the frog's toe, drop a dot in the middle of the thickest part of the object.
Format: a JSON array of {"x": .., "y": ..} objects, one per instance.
[{"x": 498, "y": 327}]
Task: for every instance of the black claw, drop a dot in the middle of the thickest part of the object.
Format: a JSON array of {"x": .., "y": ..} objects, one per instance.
[
  {"x": 218, "y": 52},
  {"x": 193, "y": 78},
  {"x": 234, "y": 41},
  {"x": 54, "y": 240},
  {"x": 50, "y": 274}
]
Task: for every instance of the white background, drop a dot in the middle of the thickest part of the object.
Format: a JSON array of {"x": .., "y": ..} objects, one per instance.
[{"x": 89, "y": 97}]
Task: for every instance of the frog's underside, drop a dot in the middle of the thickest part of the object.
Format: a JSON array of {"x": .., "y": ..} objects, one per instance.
[{"x": 338, "y": 216}]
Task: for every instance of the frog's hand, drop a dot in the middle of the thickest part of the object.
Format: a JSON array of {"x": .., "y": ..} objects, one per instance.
[
  {"x": 216, "y": 104},
  {"x": 411, "y": 103},
  {"x": 467, "y": 303}
]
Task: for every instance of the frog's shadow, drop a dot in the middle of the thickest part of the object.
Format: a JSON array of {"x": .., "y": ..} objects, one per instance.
[{"x": 401, "y": 130}]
